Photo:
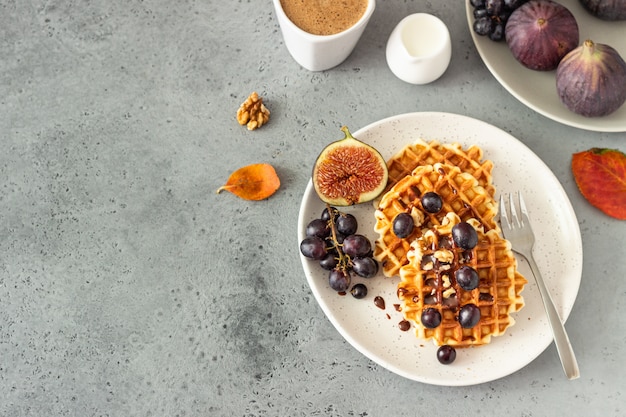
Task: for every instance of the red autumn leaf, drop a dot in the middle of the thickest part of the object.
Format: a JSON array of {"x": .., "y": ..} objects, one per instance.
[
  {"x": 601, "y": 178},
  {"x": 253, "y": 182}
]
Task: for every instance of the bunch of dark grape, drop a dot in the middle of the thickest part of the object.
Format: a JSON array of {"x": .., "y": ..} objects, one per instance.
[
  {"x": 333, "y": 241},
  {"x": 490, "y": 16}
]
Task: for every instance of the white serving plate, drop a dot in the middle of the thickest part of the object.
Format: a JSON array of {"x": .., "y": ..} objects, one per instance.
[
  {"x": 537, "y": 89},
  {"x": 375, "y": 332}
]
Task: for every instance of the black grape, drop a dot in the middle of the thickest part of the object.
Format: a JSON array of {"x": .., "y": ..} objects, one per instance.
[
  {"x": 464, "y": 235},
  {"x": 356, "y": 245},
  {"x": 313, "y": 247},
  {"x": 318, "y": 227},
  {"x": 446, "y": 354},
  {"x": 431, "y": 318},
  {"x": 339, "y": 280},
  {"x": 469, "y": 316},
  {"x": 431, "y": 202},
  {"x": 346, "y": 224},
  {"x": 403, "y": 225},
  {"x": 467, "y": 277},
  {"x": 359, "y": 291},
  {"x": 365, "y": 267}
]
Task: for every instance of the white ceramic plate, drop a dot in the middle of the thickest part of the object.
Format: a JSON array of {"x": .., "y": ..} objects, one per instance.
[
  {"x": 375, "y": 333},
  {"x": 537, "y": 89}
]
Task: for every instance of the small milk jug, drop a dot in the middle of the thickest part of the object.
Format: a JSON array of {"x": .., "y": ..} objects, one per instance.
[{"x": 419, "y": 49}]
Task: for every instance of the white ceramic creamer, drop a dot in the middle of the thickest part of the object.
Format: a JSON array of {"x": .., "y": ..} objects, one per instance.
[{"x": 419, "y": 49}]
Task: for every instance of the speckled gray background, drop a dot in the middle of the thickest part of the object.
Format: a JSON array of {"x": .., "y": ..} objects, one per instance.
[{"x": 129, "y": 288}]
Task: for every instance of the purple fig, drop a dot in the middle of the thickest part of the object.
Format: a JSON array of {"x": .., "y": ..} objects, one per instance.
[
  {"x": 606, "y": 9},
  {"x": 541, "y": 32},
  {"x": 591, "y": 80}
]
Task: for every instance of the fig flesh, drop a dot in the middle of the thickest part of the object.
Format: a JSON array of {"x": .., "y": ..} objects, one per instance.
[
  {"x": 606, "y": 9},
  {"x": 591, "y": 80},
  {"x": 540, "y": 33},
  {"x": 349, "y": 172}
]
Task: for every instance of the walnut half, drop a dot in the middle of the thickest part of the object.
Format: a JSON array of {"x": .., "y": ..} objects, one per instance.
[{"x": 253, "y": 112}]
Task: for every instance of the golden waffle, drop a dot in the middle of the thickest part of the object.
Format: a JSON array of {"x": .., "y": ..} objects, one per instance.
[
  {"x": 422, "y": 153},
  {"x": 460, "y": 193},
  {"x": 427, "y": 281}
]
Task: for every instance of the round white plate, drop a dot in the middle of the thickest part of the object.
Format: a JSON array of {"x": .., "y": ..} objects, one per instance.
[
  {"x": 375, "y": 333},
  {"x": 537, "y": 89}
]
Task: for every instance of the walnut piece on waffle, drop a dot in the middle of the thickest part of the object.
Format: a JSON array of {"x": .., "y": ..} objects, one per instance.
[
  {"x": 430, "y": 153},
  {"x": 428, "y": 281},
  {"x": 460, "y": 194}
]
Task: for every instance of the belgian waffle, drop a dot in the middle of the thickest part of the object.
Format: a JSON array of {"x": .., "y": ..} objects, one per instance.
[
  {"x": 427, "y": 281},
  {"x": 430, "y": 153},
  {"x": 460, "y": 193}
]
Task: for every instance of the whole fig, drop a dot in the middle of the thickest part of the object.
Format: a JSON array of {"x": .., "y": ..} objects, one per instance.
[
  {"x": 541, "y": 32},
  {"x": 591, "y": 80},
  {"x": 606, "y": 9}
]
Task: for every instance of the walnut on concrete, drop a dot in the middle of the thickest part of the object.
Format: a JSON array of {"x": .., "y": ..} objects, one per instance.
[{"x": 253, "y": 112}]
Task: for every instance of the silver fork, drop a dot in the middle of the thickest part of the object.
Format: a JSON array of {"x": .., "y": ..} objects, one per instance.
[{"x": 519, "y": 232}]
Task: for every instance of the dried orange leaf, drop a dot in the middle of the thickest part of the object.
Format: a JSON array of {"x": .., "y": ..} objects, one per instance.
[
  {"x": 253, "y": 182},
  {"x": 601, "y": 178}
]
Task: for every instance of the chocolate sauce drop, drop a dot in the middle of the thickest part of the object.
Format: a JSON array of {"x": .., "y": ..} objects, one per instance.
[{"x": 404, "y": 325}]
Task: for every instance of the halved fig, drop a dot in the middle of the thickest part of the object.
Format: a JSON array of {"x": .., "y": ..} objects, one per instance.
[{"x": 349, "y": 172}]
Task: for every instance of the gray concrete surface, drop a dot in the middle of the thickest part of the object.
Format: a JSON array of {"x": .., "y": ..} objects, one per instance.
[{"x": 129, "y": 288}]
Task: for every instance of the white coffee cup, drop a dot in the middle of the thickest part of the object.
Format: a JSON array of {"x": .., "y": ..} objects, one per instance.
[
  {"x": 321, "y": 52},
  {"x": 419, "y": 49}
]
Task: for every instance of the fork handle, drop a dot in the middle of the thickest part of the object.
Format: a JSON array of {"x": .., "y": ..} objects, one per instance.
[{"x": 563, "y": 345}]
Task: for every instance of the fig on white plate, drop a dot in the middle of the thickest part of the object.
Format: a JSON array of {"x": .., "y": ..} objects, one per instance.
[
  {"x": 606, "y": 9},
  {"x": 540, "y": 33},
  {"x": 591, "y": 80},
  {"x": 349, "y": 172}
]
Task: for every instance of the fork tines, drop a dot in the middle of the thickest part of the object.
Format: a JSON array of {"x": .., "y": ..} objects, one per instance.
[{"x": 517, "y": 220}]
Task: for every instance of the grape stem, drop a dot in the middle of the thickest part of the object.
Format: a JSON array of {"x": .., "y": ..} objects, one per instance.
[{"x": 344, "y": 260}]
